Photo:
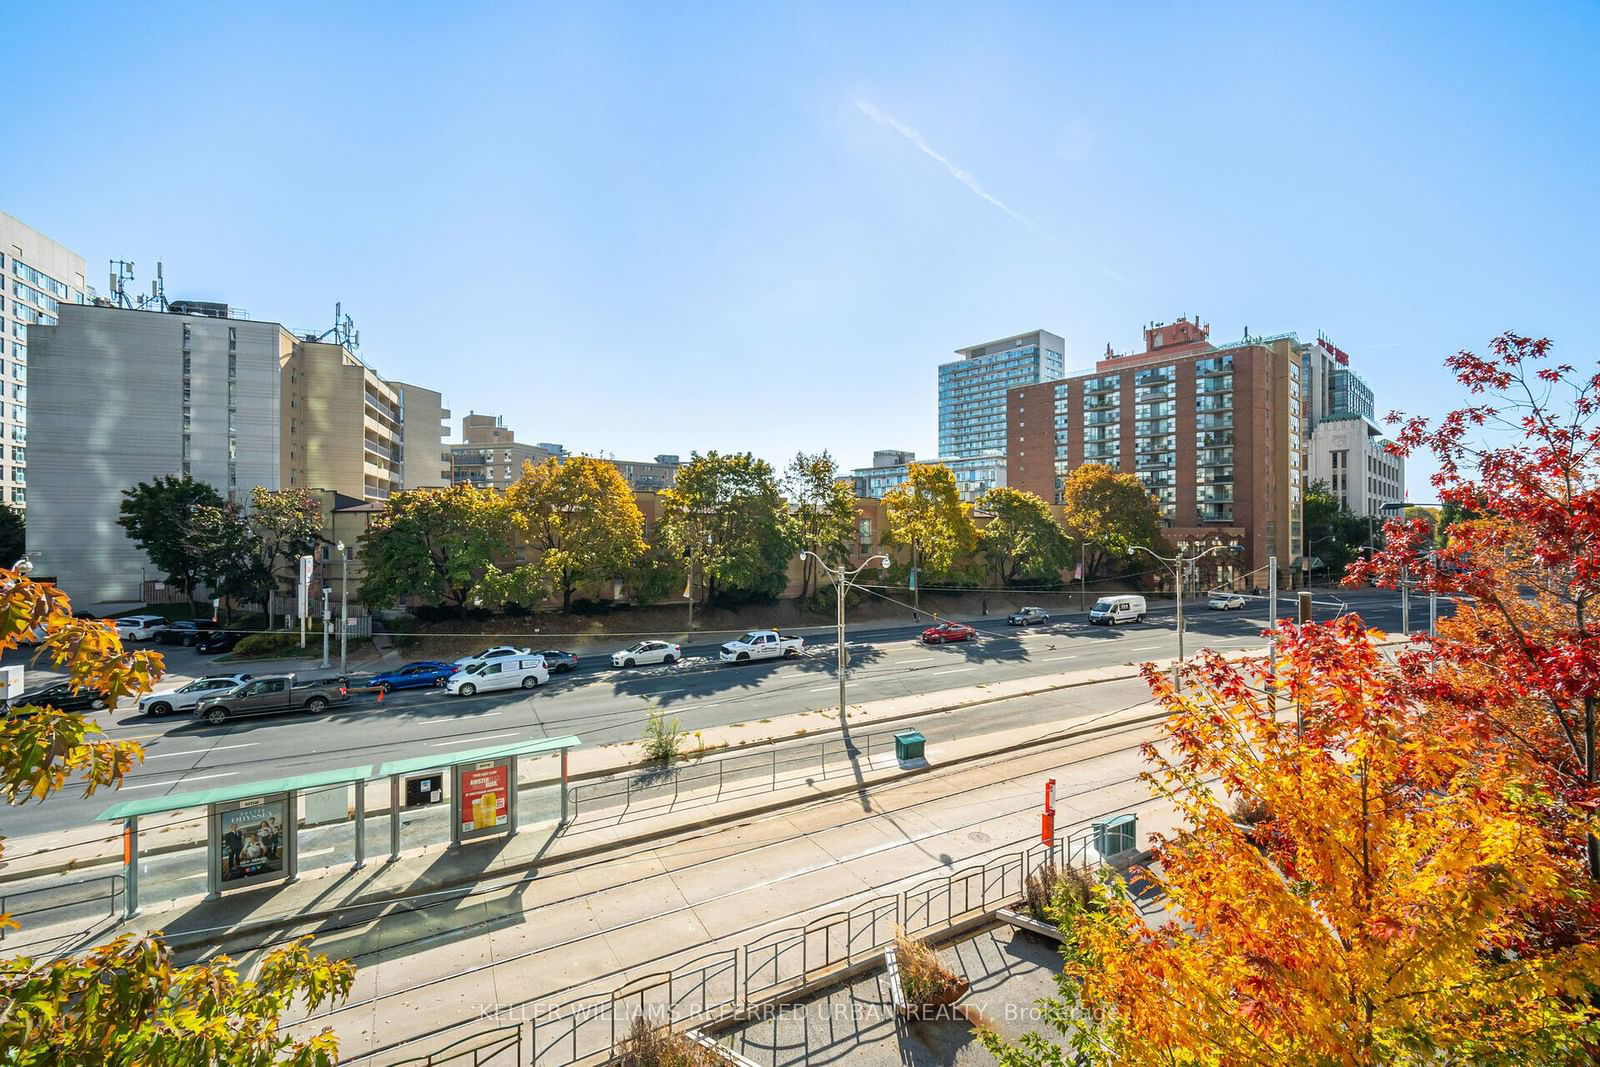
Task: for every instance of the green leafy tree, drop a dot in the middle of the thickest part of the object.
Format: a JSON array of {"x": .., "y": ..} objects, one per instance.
[
  {"x": 727, "y": 512},
  {"x": 230, "y": 555},
  {"x": 126, "y": 1002},
  {"x": 1109, "y": 512},
  {"x": 580, "y": 517},
  {"x": 1334, "y": 534},
  {"x": 824, "y": 509},
  {"x": 288, "y": 525},
  {"x": 1022, "y": 536},
  {"x": 436, "y": 544},
  {"x": 926, "y": 516},
  {"x": 156, "y": 516},
  {"x": 13, "y": 534}
]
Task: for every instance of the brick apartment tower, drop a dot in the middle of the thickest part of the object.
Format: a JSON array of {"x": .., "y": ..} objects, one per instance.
[{"x": 1213, "y": 431}]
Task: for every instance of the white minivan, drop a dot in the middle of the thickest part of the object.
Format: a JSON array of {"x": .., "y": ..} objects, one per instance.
[
  {"x": 1109, "y": 610},
  {"x": 507, "y": 673}
]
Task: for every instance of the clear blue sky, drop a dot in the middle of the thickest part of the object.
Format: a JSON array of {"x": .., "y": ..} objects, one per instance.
[{"x": 667, "y": 227}]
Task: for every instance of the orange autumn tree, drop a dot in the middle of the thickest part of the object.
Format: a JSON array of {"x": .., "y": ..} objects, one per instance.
[
  {"x": 125, "y": 1002},
  {"x": 1385, "y": 912}
]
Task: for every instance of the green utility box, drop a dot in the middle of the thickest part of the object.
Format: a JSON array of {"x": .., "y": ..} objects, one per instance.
[
  {"x": 1117, "y": 834},
  {"x": 908, "y": 745}
]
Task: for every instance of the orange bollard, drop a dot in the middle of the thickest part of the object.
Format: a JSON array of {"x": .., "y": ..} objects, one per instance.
[
  {"x": 380, "y": 694},
  {"x": 1047, "y": 827}
]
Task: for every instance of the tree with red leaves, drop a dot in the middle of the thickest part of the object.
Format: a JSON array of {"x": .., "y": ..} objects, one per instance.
[{"x": 1524, "y": 455}]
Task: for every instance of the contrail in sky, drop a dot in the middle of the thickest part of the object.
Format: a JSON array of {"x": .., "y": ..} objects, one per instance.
[{"x": 965, "y": 177}]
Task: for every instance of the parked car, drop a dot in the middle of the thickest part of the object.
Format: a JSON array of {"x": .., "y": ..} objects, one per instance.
[
  {"x": 642, "y": 652},
  {"x": 506, "y": 672},
  {"x": 1108, "y": 610},
  {"x": 557, "y": 661},
  {"x": 1027, "y": 617},
  {"x": 138, "y": 627},
  {"x": 274, "y": 693},
  {"x": 61, "y": 696},
  {"x": 186, "y": 697},
  {"x": 183, "y": 632},
  {"x": 1226, "y": 602},
  {"x": 761, "y": 644},
  {"x": 219, "y": 641},
  {"x": 418, "y": 675},
  {"x": 946, "y": 632},
  {"x": 493, "y": 652}
]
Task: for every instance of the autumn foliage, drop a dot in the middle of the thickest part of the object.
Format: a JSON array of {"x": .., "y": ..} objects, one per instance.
[{"x": 1387, "y": 910}]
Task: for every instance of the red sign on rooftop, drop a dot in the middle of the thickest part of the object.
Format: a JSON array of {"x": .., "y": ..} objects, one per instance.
[{"x": 1340, "y": 355}]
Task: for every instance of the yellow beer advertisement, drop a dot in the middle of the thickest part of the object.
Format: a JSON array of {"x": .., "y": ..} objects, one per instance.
[{"x": 483, "y": 797}]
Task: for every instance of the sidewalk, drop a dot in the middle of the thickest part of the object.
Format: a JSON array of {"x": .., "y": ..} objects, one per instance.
[{"x": 340, "y": 892}]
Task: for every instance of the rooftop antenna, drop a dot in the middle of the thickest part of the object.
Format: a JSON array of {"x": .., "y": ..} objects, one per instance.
[
  {"x": 121, "y": 274},
  {"x": 343, "y": 332},
  {"x": 157, "y": 300}
]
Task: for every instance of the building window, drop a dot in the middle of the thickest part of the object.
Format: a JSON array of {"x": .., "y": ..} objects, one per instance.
[{"x": 19, "y": 496}]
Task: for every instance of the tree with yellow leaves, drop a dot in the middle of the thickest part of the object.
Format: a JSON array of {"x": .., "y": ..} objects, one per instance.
[
  {"x": 1387, "y": 911},
  {"x": 124, "y": 1002}
]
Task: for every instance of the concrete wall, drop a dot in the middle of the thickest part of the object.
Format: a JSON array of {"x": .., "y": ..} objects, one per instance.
[{"x": 107, "y": 415}]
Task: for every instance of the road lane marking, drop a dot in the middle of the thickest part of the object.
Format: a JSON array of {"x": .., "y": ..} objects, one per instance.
[
  {"x": 199, "y": 751},
  {"x": 956, "y": 670},
  {"x": 473, "y": 740},
  {"x": 920, "y": 659},
  {"x": 181, "y": 781},
  {"x": 1057, "y": 659}
]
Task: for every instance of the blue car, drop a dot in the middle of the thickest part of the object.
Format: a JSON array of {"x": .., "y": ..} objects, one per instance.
[{"x": 419, "y": 675}]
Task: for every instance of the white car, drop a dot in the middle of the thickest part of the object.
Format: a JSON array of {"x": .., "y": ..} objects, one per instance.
[
  {"x": 1226, "y": 602},
  {"x": 138, "y": 627},
  {"x": 186, "y": 697},
  {"x": 504, "y": 672},
  {"x": 491, "y": 654},
  {"x": 642, "y": 652}
]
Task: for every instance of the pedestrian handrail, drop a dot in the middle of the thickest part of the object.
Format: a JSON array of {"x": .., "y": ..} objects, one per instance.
[
  {"x": 710, "y": 779},
  {"x": 107, "y": 887},
  {"x": 733, "y": 981}
]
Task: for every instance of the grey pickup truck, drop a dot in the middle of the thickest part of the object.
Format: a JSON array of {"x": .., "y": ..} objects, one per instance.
[{"x": 271, "y": 693}]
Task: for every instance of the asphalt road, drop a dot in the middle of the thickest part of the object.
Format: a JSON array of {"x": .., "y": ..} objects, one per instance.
[{"x": 604, "y": 705}]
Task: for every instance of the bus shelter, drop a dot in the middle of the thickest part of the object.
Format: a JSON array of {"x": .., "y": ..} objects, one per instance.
[
  {"x": 252, "y": 828},
  {"x": 483, "y": 787}
]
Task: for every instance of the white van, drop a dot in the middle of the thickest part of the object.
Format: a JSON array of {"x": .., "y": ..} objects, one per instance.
[
  {"x": 1109, "y": 610},
  {"x": 507, "y": 673}
]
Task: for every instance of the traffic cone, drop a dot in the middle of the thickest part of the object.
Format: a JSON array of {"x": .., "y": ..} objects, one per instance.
[{"x": 380, "y": 694}]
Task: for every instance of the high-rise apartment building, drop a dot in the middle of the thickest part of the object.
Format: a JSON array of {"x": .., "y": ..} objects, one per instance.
[
  {"x": 126, "y": 396},
  {"x": 1346, "y": 450},
  {"x": 123, "y": 397},
  {"x": 972, "y": 390},
  {"x": 490, "y": 455},
  {"x": 427, "y": 425},
  {"x": 37, "y": 276},
  {"x": 1214, "y": 432}
]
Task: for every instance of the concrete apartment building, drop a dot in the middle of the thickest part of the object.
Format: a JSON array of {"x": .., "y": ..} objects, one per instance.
[
  {"x": 1214, "y": 431},
  {"x": 427, "y": 425},
  {"x": 122, "y": 397},
  {"x": 125, "y": 396},
  {"x": 1346, "y": 449},
  {"x": 37, "y": 276},
  {"x": 489, "y": 455}
]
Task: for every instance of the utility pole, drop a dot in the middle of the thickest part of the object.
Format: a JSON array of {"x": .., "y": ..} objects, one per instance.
[
  {"x": 327, "y": 617},
  {"x": 1179, "y": 566},
  {"x": 344, "y": 606},
  {"x": 842, "y": 580}
]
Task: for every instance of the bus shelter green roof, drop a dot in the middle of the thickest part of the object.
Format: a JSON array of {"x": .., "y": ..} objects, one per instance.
[
  {"x": 475, "y": 755},
  {"x": 238, "y": 791}
]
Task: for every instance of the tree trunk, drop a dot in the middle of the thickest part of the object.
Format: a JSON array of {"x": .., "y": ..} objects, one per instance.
[
  {"x": 566, "y": 591},
  {"x": 1589, "y": 774}
]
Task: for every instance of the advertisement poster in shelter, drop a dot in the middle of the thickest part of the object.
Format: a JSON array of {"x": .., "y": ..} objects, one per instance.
[
  {"x": 482, "y": 799},
  {"x": 252, "y": 841}
]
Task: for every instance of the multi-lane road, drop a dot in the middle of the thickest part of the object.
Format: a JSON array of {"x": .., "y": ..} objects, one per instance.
[{"x": 603, "y": 705}]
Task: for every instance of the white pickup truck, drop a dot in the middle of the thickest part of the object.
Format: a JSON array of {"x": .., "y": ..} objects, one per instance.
[{"x": 761, "y": 644}]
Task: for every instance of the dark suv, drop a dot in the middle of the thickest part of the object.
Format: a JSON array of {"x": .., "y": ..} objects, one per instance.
[{"x": 273, "y": 693}]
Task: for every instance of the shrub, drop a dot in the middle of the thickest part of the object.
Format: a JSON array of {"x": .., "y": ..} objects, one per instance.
[
  {"x": 923, "y": 977},
  {"x": 649, "y": 1046},
  {"x": 514, "y": 610},
  {"x": 1038, "y": 889},
  {"x": 1249, "y": 810},
  {"x": 274, "y": 643},
  {"x": 663, "y": 737}
]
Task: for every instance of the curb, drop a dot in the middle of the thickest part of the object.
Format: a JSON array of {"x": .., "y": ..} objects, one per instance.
[{"x": 189, "y": 939}]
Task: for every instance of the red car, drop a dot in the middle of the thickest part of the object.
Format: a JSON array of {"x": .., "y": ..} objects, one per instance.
[{"x": 946, "y": 632}]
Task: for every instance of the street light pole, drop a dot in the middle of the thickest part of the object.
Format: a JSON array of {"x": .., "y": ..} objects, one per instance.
[
  {"x": 841, "y": 583},
  {"x": 1179, "y": 565},
  {"x": 344, "y": 604}
]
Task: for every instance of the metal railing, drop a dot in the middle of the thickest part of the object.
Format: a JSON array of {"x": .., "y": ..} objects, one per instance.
[
  {"x": 708, "y": 780},
  {"x": 108, "y": 889},
  {"x": 589, "y": 1029}
]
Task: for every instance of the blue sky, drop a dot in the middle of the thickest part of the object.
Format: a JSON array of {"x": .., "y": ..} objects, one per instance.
[{"x": 659, "y": 227}]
